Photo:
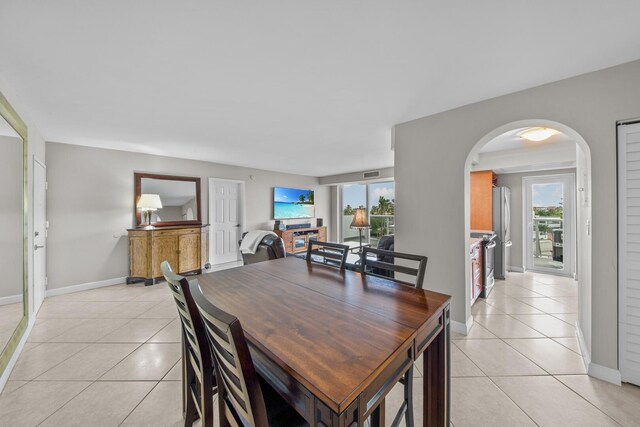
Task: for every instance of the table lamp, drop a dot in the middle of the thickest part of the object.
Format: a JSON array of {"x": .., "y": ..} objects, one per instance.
[
  {"x": 148, "y": 203},
  {"x": 360, "y": 222}
]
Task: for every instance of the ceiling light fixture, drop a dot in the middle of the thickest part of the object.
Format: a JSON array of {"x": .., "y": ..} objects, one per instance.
[{"x": 537, "y": 134}]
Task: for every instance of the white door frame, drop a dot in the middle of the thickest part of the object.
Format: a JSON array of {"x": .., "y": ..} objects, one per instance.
[
  {"x": 568, "y": 207},
  {"x": 35, "y": 305},
  {"x": 243, "y": 211}
]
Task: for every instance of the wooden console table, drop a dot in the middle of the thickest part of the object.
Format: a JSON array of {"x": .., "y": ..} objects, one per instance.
[
  {"x": 185, "y": 247},
  {"x": 297, "y": 240}
]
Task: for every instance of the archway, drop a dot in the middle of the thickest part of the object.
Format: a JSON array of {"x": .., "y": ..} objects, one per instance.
[{"x": 583, "y": 224}]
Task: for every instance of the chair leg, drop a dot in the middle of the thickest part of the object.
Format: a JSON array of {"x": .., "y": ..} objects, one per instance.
[
  {"x": 406, "y": 408},
  {"x": 183, "y": 373},
  {"x": 206, "y": 404},
  {"x": 190, "y": 412},
  {"x": 408, "y": 396}
]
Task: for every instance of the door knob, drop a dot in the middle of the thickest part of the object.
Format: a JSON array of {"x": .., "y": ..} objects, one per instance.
[{"x": 36, "y": 247}]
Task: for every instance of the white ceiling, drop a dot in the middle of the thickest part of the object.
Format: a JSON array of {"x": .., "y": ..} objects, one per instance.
[
  {"x": 295, "y": 86},
  {"x": 509, "y": 153}
]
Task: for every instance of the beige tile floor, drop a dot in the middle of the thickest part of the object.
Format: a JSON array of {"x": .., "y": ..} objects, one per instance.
[
  {"x": 111, "y": 357},
  {"x": 521, "y": 363}
]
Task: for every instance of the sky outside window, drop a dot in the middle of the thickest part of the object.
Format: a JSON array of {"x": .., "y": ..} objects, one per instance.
[{"x": 545, "y": 195}]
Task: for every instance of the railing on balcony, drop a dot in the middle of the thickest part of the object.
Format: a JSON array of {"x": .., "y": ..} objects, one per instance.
[
  {"x": 548, "y": 241},
  {"x": 381, "y": 225}
]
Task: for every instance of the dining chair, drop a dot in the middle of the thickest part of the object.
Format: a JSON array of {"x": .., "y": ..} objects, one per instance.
[
  {"x": 199, "y": 380},
  {"x": 243, "y": 400},
  {"x": 383, "y": 265},
  {"x": 331, "y": 253}
]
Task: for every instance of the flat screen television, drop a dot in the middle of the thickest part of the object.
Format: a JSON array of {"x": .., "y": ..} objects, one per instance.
[{"x": 292, "y": 203}]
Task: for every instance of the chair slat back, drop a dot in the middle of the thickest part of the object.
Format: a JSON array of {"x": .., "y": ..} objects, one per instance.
[
  {"x": 192, "y": 327},
  {"x": 369, "y": 266},
  {"x": 241, "y": 402},
  {"x": 334, "y": 253}
]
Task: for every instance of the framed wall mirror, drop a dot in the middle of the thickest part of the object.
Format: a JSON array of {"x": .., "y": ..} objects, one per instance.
[
  {"x": 13, "y": 231},
  {"x": 166, "y": 200}
]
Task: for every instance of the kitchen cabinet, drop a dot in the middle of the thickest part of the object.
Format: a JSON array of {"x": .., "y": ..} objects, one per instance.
[
  {"x": 475, "y": 254},
  {"x": 481, "y": 192}
]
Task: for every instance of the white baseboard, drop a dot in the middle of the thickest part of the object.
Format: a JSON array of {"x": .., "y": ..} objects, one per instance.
[
  {"x": 85, "y": 286},
  {"x": 11, "y": 299},
  {"x": 462, "y": 328},
  {"x": 16, "y": 354},
  {"x": 515, "y": 269},
  {"x": 224, "y": 266},
  {"x": 594, "y": 370},
  {"x": 603, "y": 373},
  {"x": 586, "y": 357}
]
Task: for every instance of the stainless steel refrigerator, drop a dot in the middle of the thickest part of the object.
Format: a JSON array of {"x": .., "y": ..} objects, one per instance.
[{"x": 502, "y": 228}]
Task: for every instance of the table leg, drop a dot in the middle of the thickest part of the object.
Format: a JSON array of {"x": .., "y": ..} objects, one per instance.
[{"x": 437, "y": 378}]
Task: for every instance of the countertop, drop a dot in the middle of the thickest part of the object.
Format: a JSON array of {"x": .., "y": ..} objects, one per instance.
[{"x": 482, "y": 231}]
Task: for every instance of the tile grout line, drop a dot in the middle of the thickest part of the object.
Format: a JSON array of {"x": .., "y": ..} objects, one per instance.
[
  {"x": 498, "y": 387},
  {"x": 65, "y": 404},
  {"x": 585, "y": 399},
  {"x": 138, "y": 404},
  {"x": 87, "y": 345},
  {"x": 567, "y": 346},
  {"x": 62, "y": 361},
  {"x": 514, "y": 402},
  {"x": 471, "y": 360},
  {"x": 548, "y": 374}
]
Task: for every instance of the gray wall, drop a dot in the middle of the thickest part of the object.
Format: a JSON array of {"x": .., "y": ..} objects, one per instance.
[
  {"x": 514, "y": 182},
  {"x": 430, "y": 182},
  {"x": 90, "y": 205}
]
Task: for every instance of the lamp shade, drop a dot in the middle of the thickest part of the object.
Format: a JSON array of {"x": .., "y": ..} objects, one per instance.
[
  {"x": 149, "y": 202},
  {"x": 360, "y": 219}
]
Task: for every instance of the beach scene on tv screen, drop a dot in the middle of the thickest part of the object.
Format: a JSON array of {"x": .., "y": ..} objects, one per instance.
[{"x": 292, "y": 203}]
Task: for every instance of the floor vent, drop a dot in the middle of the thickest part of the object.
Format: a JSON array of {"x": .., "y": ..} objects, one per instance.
[{"x": 371, "y": 174}]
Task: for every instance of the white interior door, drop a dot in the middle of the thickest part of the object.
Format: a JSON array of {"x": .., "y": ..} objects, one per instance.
[
  {"x": 40, "y": 225},
  {"x": 550, "y": 224},
  {"x": 225, "y": 217},
  {"x": 629, "y": 251}
]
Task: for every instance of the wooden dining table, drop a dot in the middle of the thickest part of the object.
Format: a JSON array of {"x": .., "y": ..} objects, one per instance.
[{"x": 334, "y": 343}]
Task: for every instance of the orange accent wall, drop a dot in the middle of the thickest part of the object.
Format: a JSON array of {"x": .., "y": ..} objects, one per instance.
[{"x": 481, "y": 189}]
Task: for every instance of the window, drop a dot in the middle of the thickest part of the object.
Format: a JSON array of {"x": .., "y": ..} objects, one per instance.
[
  {"x": 381, "y": 210},
  {"x": 379, "y": 199},
  {"x": 353, "y": 196}
]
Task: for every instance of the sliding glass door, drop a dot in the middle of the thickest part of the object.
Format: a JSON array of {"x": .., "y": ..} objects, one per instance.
[
  {"x": 354, "y": 196},
  {"x": 381, "y": 210},
  {"x": 379, "y": 200}
]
